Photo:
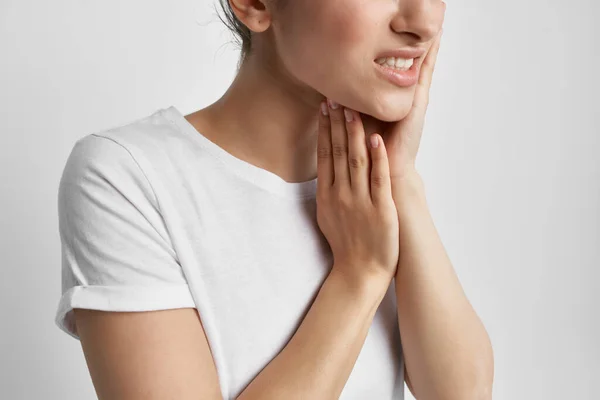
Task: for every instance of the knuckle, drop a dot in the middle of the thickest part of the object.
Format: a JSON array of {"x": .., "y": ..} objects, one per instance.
[
  {"x": 388, "y": 219},
  {"x": 341, "y": 184},
  {"x": 323, "y": 152},
  {"x": 357, "y": 162},
  {"x": 379, "y": 180},
  {"x": 344, "y": 201},
  {"x": 339, "y": 151}
]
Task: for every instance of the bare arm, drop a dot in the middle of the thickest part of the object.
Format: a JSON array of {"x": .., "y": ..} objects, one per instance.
[
  {"x": 165, "y": 354},
  {"x": 448, "y": 353},
  {"x": 318, "y": 360},
  {"x": 153, "y": 355}
]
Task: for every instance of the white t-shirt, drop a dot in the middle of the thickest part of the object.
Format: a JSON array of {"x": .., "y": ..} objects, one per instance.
[{"x": 153, "y": 215}]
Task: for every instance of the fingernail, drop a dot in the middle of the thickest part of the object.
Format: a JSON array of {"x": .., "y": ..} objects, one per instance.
[
  {"x": 332, "y": 104},
  {"x": 348, "y": 114},
  {"x": 374, "y": 141},
  {"x": 324, "y": 108}
]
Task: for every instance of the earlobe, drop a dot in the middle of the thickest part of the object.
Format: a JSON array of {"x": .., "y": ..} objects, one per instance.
[{"x": 251, "y": 13}]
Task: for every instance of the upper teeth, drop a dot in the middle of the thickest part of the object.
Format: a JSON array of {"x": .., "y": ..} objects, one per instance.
[{"x": 393, "y": 62}]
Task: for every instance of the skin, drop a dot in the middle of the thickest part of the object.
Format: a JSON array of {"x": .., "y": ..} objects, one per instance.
[
  {"x": 306, "y": 51},
  {"x": 447, "y": 351},
  {"x": 303, "y": 52}
]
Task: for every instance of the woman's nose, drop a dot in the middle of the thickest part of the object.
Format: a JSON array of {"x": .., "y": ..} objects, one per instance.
[{"x": 420, "y": 18}]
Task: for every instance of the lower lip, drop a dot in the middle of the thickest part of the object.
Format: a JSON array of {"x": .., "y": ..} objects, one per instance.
[{"x": 406, "y": 78}]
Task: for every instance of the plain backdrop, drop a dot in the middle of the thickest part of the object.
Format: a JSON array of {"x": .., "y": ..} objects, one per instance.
[{"x": 509, "y": 156}]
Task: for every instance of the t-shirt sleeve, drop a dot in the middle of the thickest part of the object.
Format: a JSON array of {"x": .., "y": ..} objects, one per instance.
[{"x": 116, "y": 253}]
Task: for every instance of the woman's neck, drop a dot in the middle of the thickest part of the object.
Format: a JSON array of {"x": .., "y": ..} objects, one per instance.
[{"x": 267, "y": 120}]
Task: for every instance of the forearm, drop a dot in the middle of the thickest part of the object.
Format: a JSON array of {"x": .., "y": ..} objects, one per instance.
[
  {"x": 448, "y": 353},
  {"x": 319, "y": 358}
]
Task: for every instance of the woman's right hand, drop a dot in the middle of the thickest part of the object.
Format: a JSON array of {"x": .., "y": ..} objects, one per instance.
[{"x": 355, "y": 208}]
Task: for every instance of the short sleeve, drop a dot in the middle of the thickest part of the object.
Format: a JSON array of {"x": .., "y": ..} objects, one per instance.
[{"x": 116, "y": 254}]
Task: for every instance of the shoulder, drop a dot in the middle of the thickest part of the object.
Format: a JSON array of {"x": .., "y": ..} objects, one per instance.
[
  {"x": 110, "y": 166},
  {"x": 151, "y": 134},
  {"x": 128, "y": 149}
]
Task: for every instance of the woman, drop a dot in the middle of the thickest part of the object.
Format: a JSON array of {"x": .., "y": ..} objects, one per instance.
[{"x": 247, "y": 250}]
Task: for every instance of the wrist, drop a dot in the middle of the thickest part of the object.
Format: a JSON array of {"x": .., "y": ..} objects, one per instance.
[{"x": 367, "y": 284}]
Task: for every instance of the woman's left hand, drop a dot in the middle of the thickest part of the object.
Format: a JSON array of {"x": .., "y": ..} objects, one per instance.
[{"x": 402, "y": 138}]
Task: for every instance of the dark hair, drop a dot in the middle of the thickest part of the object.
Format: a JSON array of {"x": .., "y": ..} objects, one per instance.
[{"x": 242, "y": 34}]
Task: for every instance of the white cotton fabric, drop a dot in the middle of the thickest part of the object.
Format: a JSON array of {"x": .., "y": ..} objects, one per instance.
[{"x": 153, "y": 215}]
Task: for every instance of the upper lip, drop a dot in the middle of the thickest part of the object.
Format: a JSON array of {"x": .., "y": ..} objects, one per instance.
[{"x": 406, "y": 53}]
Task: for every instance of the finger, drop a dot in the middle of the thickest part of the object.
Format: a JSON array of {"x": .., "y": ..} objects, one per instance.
[
  {"x": 339, "y": 145},
  {"x": 358, "y": 155},
  {"x": 422, "y": 90},
  {"x": 381, "y": 187},
  {"x": 430, "y": 60},
  {"x": 324, "y": 161}
]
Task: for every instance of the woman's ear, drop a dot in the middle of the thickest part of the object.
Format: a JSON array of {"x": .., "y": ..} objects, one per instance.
[{"x": 255, "y": 14}]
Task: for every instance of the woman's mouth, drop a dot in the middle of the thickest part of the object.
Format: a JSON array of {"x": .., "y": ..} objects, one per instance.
[{"x": 401, "y": 72}]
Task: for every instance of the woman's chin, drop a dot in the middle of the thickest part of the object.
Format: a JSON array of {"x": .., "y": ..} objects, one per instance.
[
  {"x": 382, "y": 115},
  {"x": 393, "y": 110}
]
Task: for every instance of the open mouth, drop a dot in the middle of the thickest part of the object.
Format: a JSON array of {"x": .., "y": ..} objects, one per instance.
[
  {"x": 398, "y": 64},
  {"x": 402, "y": 72}
]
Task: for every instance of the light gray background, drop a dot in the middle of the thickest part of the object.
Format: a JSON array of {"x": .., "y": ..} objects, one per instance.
[{"x": 509, "y": 157}]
